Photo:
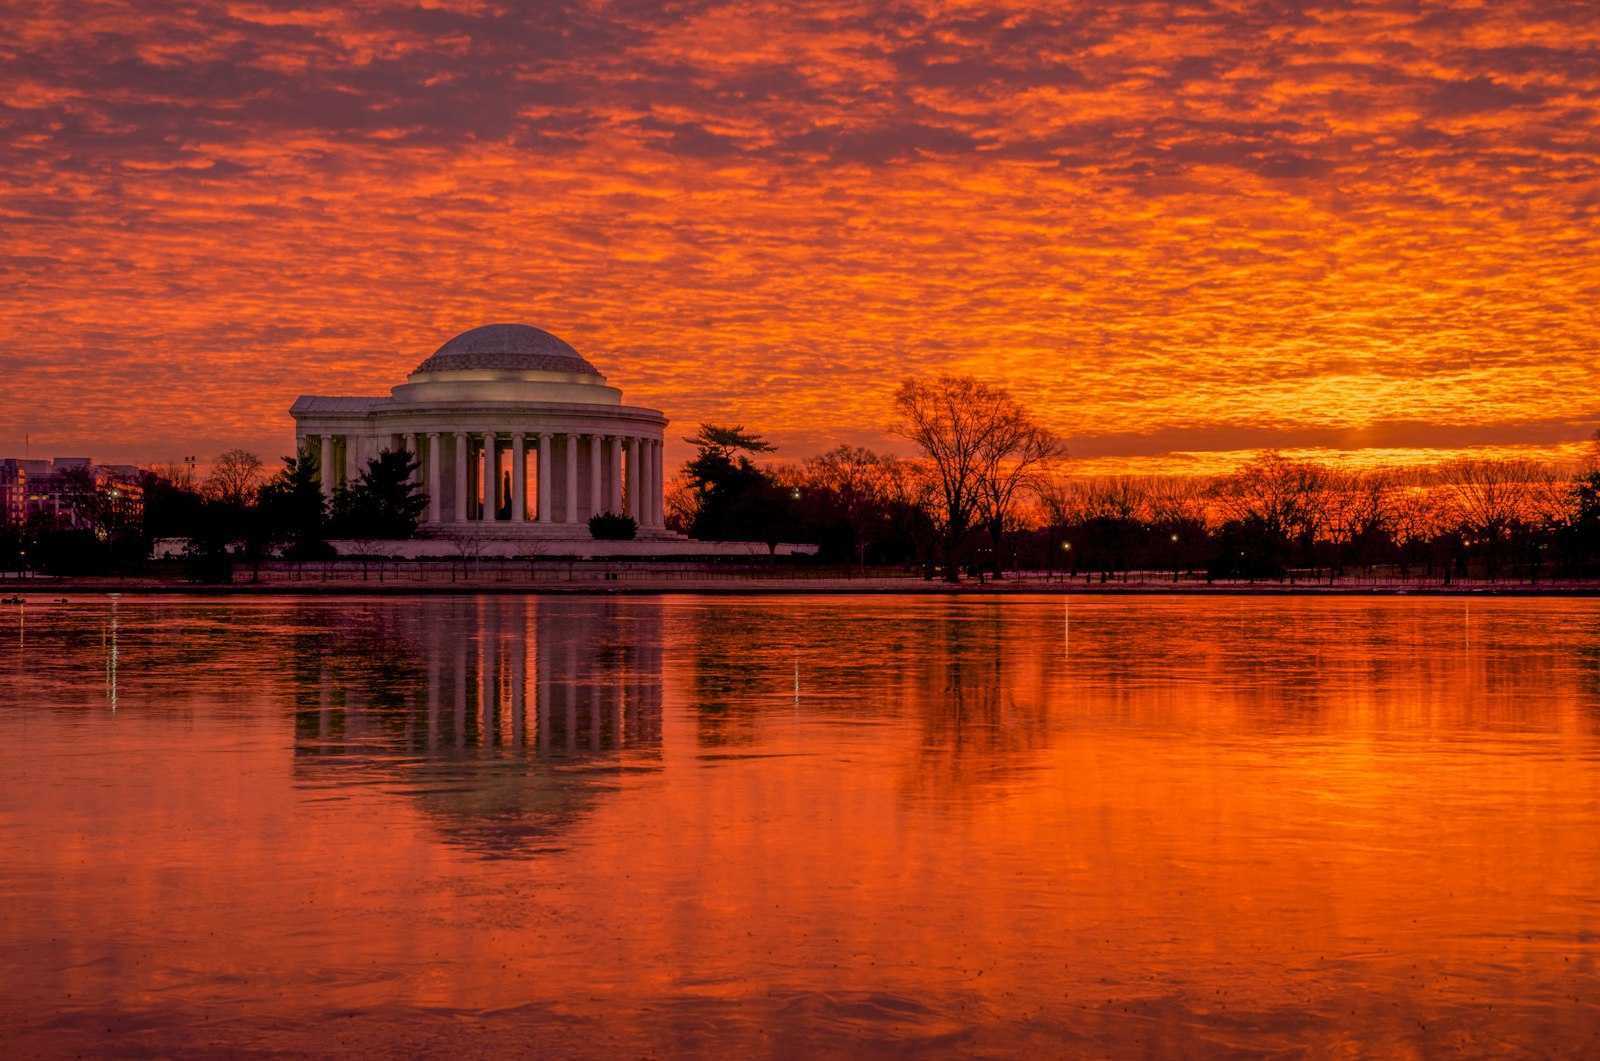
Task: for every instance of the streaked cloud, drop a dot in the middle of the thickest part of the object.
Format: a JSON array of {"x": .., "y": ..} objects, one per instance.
[{"x": 1172, "y": 228}]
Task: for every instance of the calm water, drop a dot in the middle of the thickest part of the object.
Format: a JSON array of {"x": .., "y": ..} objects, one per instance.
[{"x": 798, "y": 827}]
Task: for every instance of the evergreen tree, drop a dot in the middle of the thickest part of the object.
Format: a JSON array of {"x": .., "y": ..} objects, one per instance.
[
  {"x": 734, "y": 500},
  {"x": 293, "y": 512},
  {"x": 384, "y": 503},
  {"x": 1583, "y": 545},
  {"x": 172, "y": 508}
]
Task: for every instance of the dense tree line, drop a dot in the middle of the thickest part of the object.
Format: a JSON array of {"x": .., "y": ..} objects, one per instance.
[
  {"x": 988, "y": 493},
  {"x": 982, "y": 457},
  {"x": 235, "y": 512},
  {"x": 1281, "y": 518}
]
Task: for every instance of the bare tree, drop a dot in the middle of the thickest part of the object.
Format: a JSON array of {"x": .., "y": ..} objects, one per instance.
[
  {"x": 532, "y": 552},
  {"x": 235, "y": 478},
  {"x": 1178, "y": 510},
  {"x": 1490, "y": 498},
  {"x": 1016, "y": 457},
  {"x": 1176, "y": 499},
  {"x": 983, "y": 448},
  {"x": 1109, "y": 514},
  {"x": 922, "y": 491},
  {"x": 1547, "y": 513},
  {"x": 1417, "y": 515},
  {"x": 863, "y": 484},
  {"x": 1113, "y": 497},
  {"x": 180, "y": 474},
  {"x": 1358, "y": 507},
  {"x": 468, "y": 545},
  {"x": 1549, "y": 500},
  {"x": 1055, "y": 495},
  {"x": 1285, "y": 496},
  {"x": 680, "y": 504}
]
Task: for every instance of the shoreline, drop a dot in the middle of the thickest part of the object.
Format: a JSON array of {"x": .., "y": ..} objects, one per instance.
[{"x": 42, "y": 590}]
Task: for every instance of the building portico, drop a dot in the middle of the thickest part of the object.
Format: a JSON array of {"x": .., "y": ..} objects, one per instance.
[{"x": 515, "y": 433}]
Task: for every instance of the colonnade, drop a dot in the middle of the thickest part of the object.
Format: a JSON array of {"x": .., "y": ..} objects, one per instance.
[{"x": 475, "y": 477}]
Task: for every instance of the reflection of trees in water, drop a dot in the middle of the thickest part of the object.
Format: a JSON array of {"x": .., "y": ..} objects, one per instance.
[
  {"x": 748, "y": 658},
  {"x": 169, "y": 657},
  {"x": 960, "y": 669},
  {"x": 505, "y": 718},
  {"x": 1314, "y": 665},
  {"x": 983, "y": 714},
  {"x": 741, "y": 655}
]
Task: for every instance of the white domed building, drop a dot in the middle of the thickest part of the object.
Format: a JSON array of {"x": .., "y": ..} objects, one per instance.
[{"x": 518, "y": 437}]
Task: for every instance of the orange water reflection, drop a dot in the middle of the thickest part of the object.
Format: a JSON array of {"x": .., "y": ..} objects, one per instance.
[{"x": 691, "y": 826}]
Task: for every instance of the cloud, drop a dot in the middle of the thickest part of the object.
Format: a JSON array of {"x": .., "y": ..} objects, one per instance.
[
  {"x": 1226, "y": 222},
  {"x": 1477, "y": 95}
]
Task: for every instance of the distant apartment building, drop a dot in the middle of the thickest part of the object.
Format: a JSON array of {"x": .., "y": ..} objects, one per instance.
[{"x": 61, "y": 487}]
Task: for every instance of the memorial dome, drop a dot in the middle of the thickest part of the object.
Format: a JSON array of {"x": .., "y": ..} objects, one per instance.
[
  {"x": 507, "y": 347},
  {"x": 517, "y": 439}
]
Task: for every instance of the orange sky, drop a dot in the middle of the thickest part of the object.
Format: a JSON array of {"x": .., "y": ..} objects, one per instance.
[{"x": 1178, "y": 230}]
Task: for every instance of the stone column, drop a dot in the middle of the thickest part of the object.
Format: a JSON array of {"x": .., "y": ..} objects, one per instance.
[
  {"x": 647, "y": 481},
  {"x": 463, "y": 510},
  {"x": 519, "y": 477},
  {"x": 660, "y": 512},
  {"x": 631, "y": 448},
  {"x": 644, "y": 484},
  {"x": 595, "y": 446},
  {"x": 653, "y": 466},
  {"x": 352, "y": 457},
  {"x": 544, "y": 476},
  {"x": 326, "y": 472},
  {"x": 435, "y": 488},
  {"x": 572, "y": 478}
]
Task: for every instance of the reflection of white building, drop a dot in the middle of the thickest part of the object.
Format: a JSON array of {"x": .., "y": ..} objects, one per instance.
[{"x": 517, "y": 435}]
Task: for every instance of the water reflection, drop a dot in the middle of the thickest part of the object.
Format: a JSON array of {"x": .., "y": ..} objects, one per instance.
[
  {"x": 975, "y": 686},
  {"x": 707, "y": 826},
  {"x": 504, "y": 718}
]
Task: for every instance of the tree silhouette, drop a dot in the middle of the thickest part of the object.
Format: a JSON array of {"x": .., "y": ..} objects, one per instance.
[
  {"x": 1277, "y": 502},
  {"x": 384, "y": 503},
  {"x": 1491, "y": 499},
  {"x": 855, "y": 490},
  {"x": 983, "y": 448},
  {"x": 292, "y": 510},
  {"x": 610, "y": 527},
  {"x": 235, "y": 478},
  {"x": 734, "y": 500},
  {"x": 1583, "y": 545}
]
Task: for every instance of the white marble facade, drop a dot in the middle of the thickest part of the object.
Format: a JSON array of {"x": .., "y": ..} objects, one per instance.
[{"x": 517, "y": 437}]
